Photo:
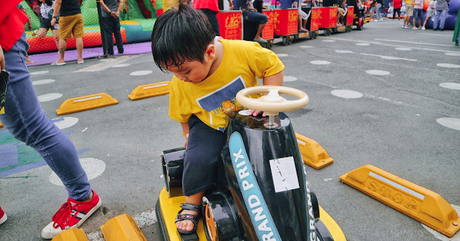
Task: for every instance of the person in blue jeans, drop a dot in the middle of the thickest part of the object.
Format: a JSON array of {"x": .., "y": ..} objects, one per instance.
[
  {"x": 251, "y": 16},
  {"x": 440, "y": 15},
  {"x": 26, "y": 121}
]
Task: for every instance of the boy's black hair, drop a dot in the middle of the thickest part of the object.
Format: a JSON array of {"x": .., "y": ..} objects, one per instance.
[{"x": 179, "y": 35}]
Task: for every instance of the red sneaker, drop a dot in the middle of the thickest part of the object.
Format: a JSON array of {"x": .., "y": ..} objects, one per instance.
[
  {"x": 72, "y": 214},
  {"x": 3, "y": 216}
]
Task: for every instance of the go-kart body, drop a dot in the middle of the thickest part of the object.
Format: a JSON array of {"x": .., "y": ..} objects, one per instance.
[{"x": 263, "y": 193}]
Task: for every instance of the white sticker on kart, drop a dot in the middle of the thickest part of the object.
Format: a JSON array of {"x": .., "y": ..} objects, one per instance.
[{"x": 284, "y": 174}]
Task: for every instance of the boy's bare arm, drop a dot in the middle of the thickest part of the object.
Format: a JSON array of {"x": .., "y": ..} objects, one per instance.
[
  {"x": 276, "y": 79},
  {"x": 185, "y": 131}
]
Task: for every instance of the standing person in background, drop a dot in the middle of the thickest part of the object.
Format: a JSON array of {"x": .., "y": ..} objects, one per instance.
[
  {"x": 440, "y": 15},
  {"x": 26, "y": 121},
  {"x": 418, "y": 11},
  {"x": 71, "y": 23},
  {"x": 29, "y": 26},
  {"x": 409, "y": 12},
  {"x": 378, "y": 7},
  {"x": 429, "y": 12},
  {"x": 110, "y": 12},
  {"x": 46, "y": 10},
  {"x": 210, "y": 8},
  {"x": 397, "y": 4}
]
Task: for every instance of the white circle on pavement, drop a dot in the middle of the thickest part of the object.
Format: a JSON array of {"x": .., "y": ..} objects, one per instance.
[
  {"x": 403, "y": 49},
  {"x": 43, "y": 81},
  {"x": 49, "y": 97},
  {"x": 141, "y": 72},
  {"x": 453, "y": 86},
  {"x": 120, "y": 65},
  {"x": 306, "y": 47},
  {"x": 92, "y": 166},
  {"x": 344, "y": 51},
  {"x": 320, "y": 62},
  {"x": 282, "y": 55},
  {"x": 377, "y": 72},
  {"x": 453, "y": 53},
  {"x": 362, "y": 44},
  {"x": 65, "y": 122},
  {"x": 347, "y": 94},
  {"x": 289, "y": 78},
  {"x": 39, "y": 72},
  {"x": 446, "y": 65},
  {"x": 329, "y": 40},
  {"x": 453, "y": 123}
]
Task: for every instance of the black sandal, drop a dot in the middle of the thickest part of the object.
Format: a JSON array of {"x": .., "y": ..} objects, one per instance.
[{"x": 191, "y": 217}]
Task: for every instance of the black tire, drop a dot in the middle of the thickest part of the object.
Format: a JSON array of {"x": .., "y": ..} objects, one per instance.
[{"x": 285, "y": 41}]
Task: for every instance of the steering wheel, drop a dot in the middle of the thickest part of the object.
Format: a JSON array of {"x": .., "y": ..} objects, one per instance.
[{"x": 272, "y": 103}]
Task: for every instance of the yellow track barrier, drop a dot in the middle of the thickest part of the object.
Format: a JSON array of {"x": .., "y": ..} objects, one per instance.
[
  {"x": 1, "y": 125},
  {"x": 73, "y": 234},
  {"x": 122, "y": 228},
  {"x": 86, "y": 103},
  {"x": 150, "y": 90},
  {"x": 312, "y": 153},
  {"x": 415, "y": 201}
]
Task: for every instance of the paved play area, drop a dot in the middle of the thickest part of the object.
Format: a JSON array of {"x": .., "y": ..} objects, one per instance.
[{"x": 384, "y": 96}]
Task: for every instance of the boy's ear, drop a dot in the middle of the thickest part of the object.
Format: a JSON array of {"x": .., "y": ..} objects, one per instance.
[{"x": 210, "y": 51}]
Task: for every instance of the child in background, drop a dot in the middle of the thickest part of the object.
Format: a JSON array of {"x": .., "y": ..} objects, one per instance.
[
  {"x": 397, "y": 4},
  {"x": 429, "y": 12},
  {"x": 207, "y": 72},
  {"x": 29, "y": 26}
]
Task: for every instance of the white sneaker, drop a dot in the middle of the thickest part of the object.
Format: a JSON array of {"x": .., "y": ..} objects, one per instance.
[
  {"x": 423, "y": 28},
  {"x": 375, "y": 20},
  {"x": 381, "y": 19},
  {"x": 415, "y": 28}
]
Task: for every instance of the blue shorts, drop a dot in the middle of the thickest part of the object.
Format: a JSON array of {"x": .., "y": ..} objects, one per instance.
[
  {"x": 417, "y": 13},
  {"x": 202, "y": 157},
  {"x": 255, "y": 17}
]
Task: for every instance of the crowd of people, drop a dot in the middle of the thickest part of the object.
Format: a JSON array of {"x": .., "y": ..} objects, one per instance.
[{"x": 413, "y": 9}]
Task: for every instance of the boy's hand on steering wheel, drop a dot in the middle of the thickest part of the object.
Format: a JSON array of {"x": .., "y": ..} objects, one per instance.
[{"x": 256, "y": 113}]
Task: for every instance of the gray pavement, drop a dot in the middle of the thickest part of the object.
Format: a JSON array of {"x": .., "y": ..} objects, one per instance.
[{"x": 405, "y": 80}]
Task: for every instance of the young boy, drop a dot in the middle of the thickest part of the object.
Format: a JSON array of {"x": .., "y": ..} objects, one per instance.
[{"x": 207, "y": 72}]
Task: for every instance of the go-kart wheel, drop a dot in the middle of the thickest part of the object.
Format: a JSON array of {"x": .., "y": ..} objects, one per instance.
[
  {"x": 272, "y": 103},
  {"x": 210, "y": 227},
  {"x": 290, "y": 40}
]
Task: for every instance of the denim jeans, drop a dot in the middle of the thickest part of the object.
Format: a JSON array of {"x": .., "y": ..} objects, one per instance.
[
  {"x": 439, "y": 15},
  {"x": 377, "y": 11},
  {"x": 26, "y": 121}
]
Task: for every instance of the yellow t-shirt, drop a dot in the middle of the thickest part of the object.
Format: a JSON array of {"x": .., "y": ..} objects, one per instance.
[{"x": 242, "y": 62}]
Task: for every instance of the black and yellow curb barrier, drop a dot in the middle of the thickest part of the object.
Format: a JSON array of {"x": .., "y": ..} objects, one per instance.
[
  {"x": 122, "y": 228},
  {"x": 415, "y": 201},
  {"x": 312, "y": 153},
  {"x": 86, "y": 103},
  {"x": 73, "y": 234},
  {"x": 1, "y": 125},
  {"x": 150, "y": 90}
]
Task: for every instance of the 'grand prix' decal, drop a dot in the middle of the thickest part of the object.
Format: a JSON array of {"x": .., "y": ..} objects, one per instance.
[{"x": 255, "y": 202}]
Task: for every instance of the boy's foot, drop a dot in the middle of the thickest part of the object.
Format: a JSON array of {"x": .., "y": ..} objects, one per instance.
[
  {"x": 423, "y": 28},
  {"x": 188, "y": 212},
  {"x": 3, "y": 216},
  {"x": 435, "y": 29},
  {"x": 72, "y": 214},
  {"x": 260, "y": 40},
  {"x": 121, "y": 51},
  {"x": 415, "y": 28}
]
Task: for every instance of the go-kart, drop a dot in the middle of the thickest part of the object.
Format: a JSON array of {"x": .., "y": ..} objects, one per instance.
[{"x": 263, "y": 193}]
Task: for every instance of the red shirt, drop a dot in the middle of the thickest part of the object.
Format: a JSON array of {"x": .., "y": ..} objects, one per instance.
[
  {"x": 208, "y": 4},
  {"x": 397, "y": 3},
  {"x": 12, "y": 22}
]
